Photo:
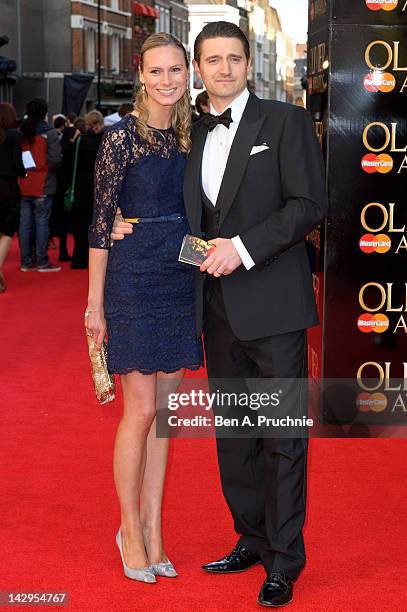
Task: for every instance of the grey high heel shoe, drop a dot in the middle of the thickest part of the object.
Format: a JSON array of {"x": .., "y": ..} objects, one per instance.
[
  {"x": 144, "y": 574},
  {"x": 164, "y": 569}
]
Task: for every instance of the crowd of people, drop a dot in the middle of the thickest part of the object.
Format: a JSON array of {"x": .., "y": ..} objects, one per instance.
[{"x": 46, "y": 183}]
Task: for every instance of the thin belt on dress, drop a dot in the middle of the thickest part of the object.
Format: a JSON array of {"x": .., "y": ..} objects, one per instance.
[{"x": 162, "y": 219}]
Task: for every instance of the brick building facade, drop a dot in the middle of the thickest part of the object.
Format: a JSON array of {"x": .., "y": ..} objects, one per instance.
[{"x": 125, "y": 24}]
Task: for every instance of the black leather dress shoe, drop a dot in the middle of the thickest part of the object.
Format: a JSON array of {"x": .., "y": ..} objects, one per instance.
[
  {"x": 276, "y": 591},
  {"x": 239, "y": 560}
]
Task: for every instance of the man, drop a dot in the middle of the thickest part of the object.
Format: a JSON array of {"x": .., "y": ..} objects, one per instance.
[
  {"x": 121, "y": 112},
  {"x": 84, "y": 187},
  {"x": 254, "y": 186},
  {"x": 38, "y": 187}
]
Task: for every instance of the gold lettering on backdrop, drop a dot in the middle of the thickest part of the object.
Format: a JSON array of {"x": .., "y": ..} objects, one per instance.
[
  {"x": 317, "y": 82},
  {"x": 402, "y": 245},
  {"x": 396, "y": 57},
  {"x": 389, "y": 54},
  {"x": 389, "y": 138},
  {"x": 404, "y": 9},
  {"x": 394, "y": 149},
  {"x": 362, "y": 299},
  {"x": 404, "y": 86},
  {"x": 389, "y": 305},
  {"x": 392, "y": 56},
  {"x": 317, "y": 56},
  {"x": 384, "y": 220},
  {"x": 403, "y": 165},
  {"x": 363, "y": 217},
  {"x": 383, "y": 376},
  {"x": 400, "y": 323},
  {"x": 360, "y": 373},
  {"x": 391, "y": 220},
  {"x": 399, "y": 403},
  {"x": 387, "y": 365},
  {"x": 387, "y": 134},
  {"x": 385, "y": 296}
]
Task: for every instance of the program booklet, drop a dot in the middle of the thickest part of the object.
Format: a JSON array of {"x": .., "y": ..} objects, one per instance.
[
  {"x": 28, "y": 160},
  {"x": 194, "y": 250}
]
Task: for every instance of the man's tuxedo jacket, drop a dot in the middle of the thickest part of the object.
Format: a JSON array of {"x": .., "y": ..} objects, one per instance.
[{"x": 271, "y": 199}]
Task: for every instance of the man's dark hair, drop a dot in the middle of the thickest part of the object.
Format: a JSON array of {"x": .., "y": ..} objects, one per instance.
[
  {"x": 59, "y": 122},
  {"x": 220, "y": 29},
  {"x": 124, "y": 109},
  {"x": 202, "y": 98}
]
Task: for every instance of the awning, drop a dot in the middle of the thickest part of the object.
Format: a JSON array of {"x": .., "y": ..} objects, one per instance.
[{"x": 146, "y": 11}]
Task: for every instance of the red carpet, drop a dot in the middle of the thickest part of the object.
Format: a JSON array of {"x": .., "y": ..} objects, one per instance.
[{"x": 59, "y": 513}]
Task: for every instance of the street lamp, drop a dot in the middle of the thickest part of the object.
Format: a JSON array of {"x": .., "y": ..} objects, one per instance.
[
  {"x": 99, "y": 60},
  {"x": 19, "y": 48}
]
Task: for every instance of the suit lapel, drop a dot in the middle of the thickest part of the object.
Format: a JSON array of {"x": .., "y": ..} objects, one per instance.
[
  {"x": 192, "y": 181},
  {"x": 239, "y": 155}
]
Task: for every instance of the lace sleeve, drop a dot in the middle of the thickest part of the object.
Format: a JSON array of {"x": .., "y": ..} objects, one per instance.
[{"x": 111, "y": 165}]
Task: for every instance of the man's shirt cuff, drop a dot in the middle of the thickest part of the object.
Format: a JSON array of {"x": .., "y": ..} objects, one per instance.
[{"x": 243, "y": 253}]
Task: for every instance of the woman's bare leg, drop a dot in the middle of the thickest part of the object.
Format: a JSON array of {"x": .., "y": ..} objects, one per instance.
[
  {"x": 139, "y": 408},
  {"x": 154, "y": 475}
]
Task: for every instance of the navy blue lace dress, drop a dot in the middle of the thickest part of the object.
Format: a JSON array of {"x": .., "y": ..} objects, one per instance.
[{"x": 149, "y": 296}]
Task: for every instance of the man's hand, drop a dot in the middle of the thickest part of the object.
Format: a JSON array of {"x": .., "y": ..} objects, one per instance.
[
  {"x": 120, "y": 228},
  {"x": 224, "y": 259}
]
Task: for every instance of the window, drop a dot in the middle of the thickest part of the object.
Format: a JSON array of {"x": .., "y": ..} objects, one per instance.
[
  {"x": 115, "y": 53},
  {"x": 163, "y": 24},
  {"x": 184, "y": 37},
  {"x": 174, "y": 29},
  {"x": 114, "y": 4},
  {"x": 90, "y": 51}
]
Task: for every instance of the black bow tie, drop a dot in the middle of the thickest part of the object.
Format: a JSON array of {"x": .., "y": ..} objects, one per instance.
[{"x": 211, "y": 121}]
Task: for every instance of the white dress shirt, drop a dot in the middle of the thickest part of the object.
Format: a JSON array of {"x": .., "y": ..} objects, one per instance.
[{"x": 215, "y": 156}]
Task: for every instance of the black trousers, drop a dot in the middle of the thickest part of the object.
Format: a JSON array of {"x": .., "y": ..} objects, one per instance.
[
  {"x": 81, "y": 220},
  {"x": 9, "y": 206},
  {"x": 263, "y": 479}
]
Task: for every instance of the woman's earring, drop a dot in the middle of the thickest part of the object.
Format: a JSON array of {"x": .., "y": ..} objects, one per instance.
[{"x": 143, "y": 89}]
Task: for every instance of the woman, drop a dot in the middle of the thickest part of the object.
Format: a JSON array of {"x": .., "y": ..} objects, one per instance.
[
  {"x": 11, "y": 167},
  {"x": 146, "y": 296},
  {"x": 84, "y": 187}
]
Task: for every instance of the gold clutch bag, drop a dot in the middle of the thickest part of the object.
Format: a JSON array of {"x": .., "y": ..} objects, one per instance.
[{"x": 103, "y": 382}]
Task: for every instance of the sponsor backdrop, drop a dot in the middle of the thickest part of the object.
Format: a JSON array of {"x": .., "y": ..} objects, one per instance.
[{"x": 357, "y": 86}]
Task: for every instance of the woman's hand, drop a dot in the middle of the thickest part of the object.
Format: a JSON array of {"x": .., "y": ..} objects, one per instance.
[{"x": 95, "y": 325}]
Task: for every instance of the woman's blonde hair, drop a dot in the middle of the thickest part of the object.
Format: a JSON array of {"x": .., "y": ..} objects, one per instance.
[{"x": 181, "y": 114}]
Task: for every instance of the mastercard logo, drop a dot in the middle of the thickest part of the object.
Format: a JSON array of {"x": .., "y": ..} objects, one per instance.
[
  {"x": 385, "y": 5},
  {"x": 371, "y": 402},
  {"x": 369, "y": 243},
  {"x": 378, "y": 323},
  {"x": 377, "y": 163},
  {"x": 379, "y": 81}
]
